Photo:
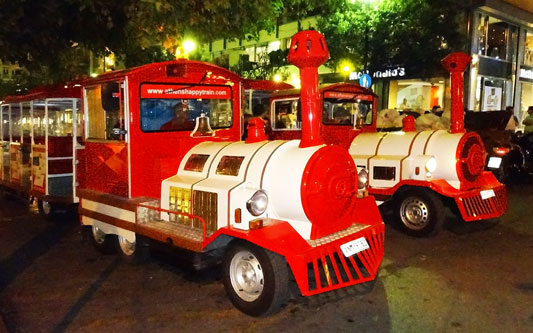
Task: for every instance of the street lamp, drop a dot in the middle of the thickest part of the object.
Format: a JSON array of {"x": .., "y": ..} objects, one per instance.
[
  {"x": 346, "y": 67},
  {"x": 185, "y": 49},
  {"x": 188, "y": 46}
]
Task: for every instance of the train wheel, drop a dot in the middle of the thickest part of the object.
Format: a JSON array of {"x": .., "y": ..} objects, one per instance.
[
  {"x": 103, "y": 242},
  {"x": 420, "y": 212},
  {"x": 256, "y": 280},
  {"x": 135, "y": 252}
]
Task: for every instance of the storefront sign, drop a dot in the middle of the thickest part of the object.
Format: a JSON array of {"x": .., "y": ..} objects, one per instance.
[
  {"x": 395, "y": 72},
  {"x": 526, "y": 73}
]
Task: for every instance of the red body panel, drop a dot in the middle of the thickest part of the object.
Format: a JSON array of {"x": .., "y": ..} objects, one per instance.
[
  {"x": 106, "y": 168},
  {"x": 309, "y": 263},
  {"x": 59, "y": 146}
]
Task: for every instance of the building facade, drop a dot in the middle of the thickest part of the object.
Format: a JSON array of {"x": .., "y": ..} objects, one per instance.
[
  {"x": 501, "y": 44},
  {"x": 500, "y": 40}
]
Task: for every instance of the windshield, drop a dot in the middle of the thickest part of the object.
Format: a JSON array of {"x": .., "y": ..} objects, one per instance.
[
  {"x": 175, "y": 107},
  {"x": 340, "y": 108}
]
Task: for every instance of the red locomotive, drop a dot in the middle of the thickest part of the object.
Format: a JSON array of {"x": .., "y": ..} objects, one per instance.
[
  {"x": 417, "y": 172},
  {"x": 159, "y": 160}
]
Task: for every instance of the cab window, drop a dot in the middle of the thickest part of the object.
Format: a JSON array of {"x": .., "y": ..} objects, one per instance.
[
  {"x": 287, "y": 114},
  {"x": 340, "y": 108},
  {"x": 175, "y": 107}
]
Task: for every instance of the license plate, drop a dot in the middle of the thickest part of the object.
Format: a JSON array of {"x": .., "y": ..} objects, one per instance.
[
  {"x": 487, "y": 194},
  {"x": 494, "y": 162},
  {"x": 355, "y": 246}
]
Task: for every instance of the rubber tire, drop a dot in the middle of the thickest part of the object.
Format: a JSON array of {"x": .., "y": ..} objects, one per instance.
[
  {"x": 435, "y": 212},
  {"x": 108, "y": 246},
  {"x": 140, "y": 255},
  {"x": 275, "y": 292}
]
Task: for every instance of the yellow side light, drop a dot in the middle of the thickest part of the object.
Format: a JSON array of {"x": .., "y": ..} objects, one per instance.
[{"x": 256, "y": 224}]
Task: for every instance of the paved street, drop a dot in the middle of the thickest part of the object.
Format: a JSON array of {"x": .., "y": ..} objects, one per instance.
[{"x": 476, "y": 279}]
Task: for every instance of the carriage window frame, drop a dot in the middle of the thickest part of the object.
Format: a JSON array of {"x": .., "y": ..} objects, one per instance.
[{"x": 101, "y": 123}]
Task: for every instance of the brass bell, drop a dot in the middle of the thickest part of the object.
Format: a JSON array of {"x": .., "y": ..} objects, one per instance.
[{"x": 202, "y": 127}]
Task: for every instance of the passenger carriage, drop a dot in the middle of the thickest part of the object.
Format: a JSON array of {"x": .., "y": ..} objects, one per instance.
[{"x": 40, "y": 131}]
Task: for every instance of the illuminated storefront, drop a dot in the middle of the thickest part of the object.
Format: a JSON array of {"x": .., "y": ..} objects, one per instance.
[
  {"x": 500, "y": 40},
  {"x": 525, "y": 87},
  {"x": 403, "y": 91},
  {"x": 501, "y": 74}
]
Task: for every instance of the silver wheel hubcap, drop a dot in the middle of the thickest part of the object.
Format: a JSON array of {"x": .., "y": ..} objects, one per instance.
[
  {"x": 47, "y": 208},
  {"x": 98, "y": 235},
  {"x": 246, "y": 276},
  {"x": 414, "y": 213},
  {"x": 126, "y": 246}
]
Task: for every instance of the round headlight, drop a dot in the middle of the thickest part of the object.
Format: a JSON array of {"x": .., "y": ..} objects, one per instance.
[
  {"x": 431, "y": 165},
  {"x": 362, "y": 179},
  {"x": 258, "y": 203}
]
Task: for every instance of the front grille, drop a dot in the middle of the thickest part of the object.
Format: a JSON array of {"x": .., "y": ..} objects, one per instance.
[
  {"x": 205, "y": 205},
  {"x": 330, "y": 269},
  {"x": 476, "y": 208}
]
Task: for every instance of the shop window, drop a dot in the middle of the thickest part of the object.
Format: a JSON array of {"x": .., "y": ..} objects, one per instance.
[
  {"x": 496, "y": 39},
  {"x": 528, "y": 49},
  {"x": 527, "y": 100},
  {"x": 417, "y": 95},
  {"x": 105, "y": 112},
  {"x": 491, "y": 94}
]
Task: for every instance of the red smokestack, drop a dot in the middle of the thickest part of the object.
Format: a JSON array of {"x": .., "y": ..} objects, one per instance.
[
  {"x": 456, "y": 63},
  {"x": 308, "y": 51}
]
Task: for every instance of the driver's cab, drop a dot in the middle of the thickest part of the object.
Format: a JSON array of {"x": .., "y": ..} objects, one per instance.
[{"x": 347, "y": 109}]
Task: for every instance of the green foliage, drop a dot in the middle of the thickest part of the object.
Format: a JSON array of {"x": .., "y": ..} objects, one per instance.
[
  {"x": 413, "y": 33},
  {"x": 47, "y": 37}
]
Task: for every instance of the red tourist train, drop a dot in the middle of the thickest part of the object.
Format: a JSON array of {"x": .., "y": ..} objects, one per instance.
[
  {"x": 417, "y": 172},
  {"x": 40, "y": 132},
  {"x": 160, "y": 162}
]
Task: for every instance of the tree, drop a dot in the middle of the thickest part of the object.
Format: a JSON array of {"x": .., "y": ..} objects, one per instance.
[
  {"x": 413, "y": 33},
  {"x": 52, "y": 38}
]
